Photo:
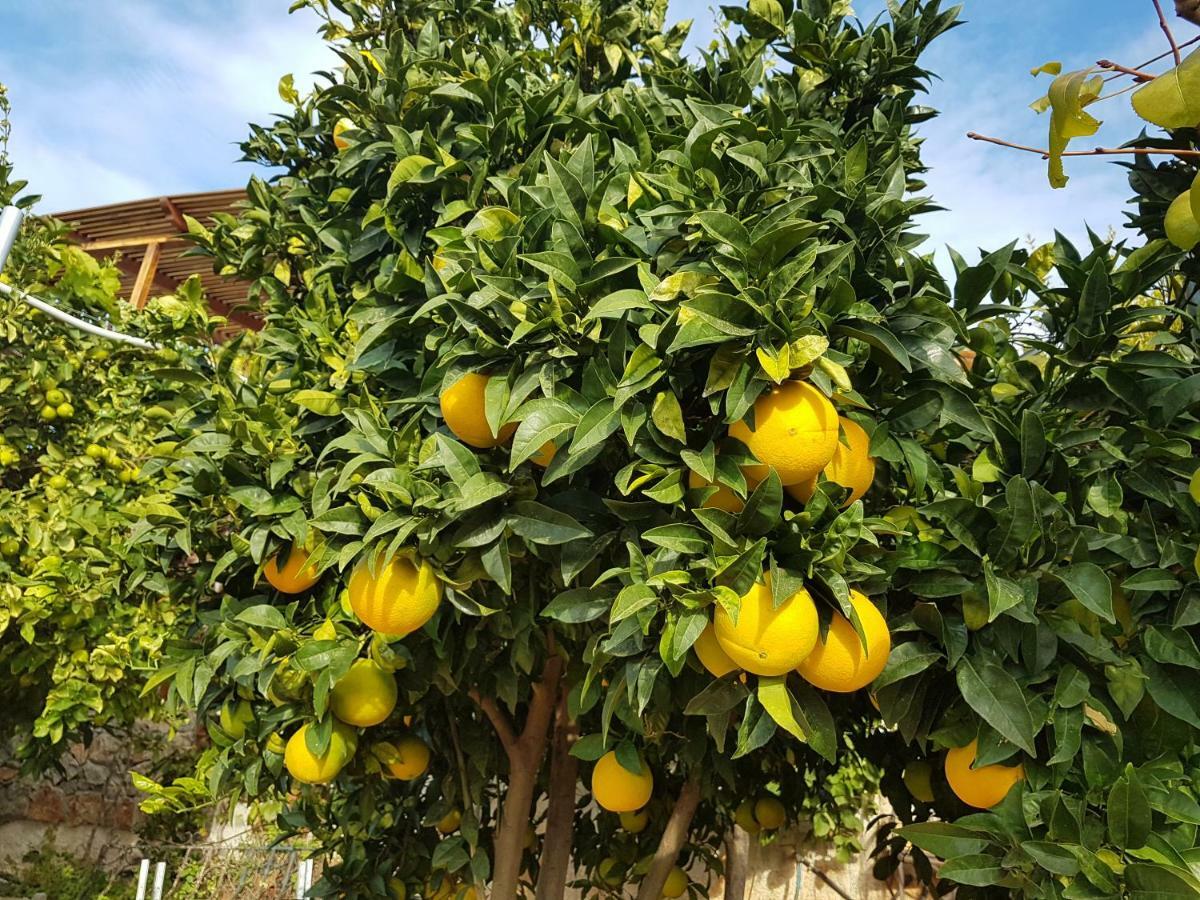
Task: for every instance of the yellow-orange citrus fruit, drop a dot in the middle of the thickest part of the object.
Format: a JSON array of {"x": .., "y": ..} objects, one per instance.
[
  {"x": 767, "y": 640},
  {"x": 744, "y": 816},
  {"x": 982, "y": 787},
  {"x": 303, "y": 765},
  {"x": 296, "y": 575},
  {"x": 235, "y": 717},
  {"x": 918, "y": 779},
  {"x": 676, "y": 883},
  {"x": 398, "y": 598},
  {"x": 635, "y": 822},
  {"x": 721, "y": 498},
  {"x": 839, "y": 663},
  {"x": 769, "y": 813},
  {"x": 411, "y": 758},
  {"x": 795, "y": 433},
  {"x": 852, "y": 465},
  {"x": 616, "y": 788},
  {"x": 340, "y": 127},
  {"x": 1180, "y": 225},
  {"x": 364, "y": 696},
  {"x": 449, "y": 822},
  {"x": 711, "y": 655},
  {"x": 545, "y": 455},
  {"x": 464, "y": 412},
  {"x": 397, "y": 889}
]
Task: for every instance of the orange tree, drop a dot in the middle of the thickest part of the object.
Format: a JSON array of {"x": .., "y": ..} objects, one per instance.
[
  {"x": 535, "y": 475},
  {"x": 83, "y": 614}
]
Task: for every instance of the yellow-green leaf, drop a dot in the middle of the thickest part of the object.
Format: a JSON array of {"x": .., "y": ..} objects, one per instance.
[
  {"x": 1194, "y": 486},
  {"x": 837, "y": 372},
  {"x": 1172, "y": 100},
  {"x": 775, "y": 363},
  {"x": 1067, "y": 97},
  {"x": 804, "y": 350},
  {"x": 1047, "y": 68},
  {"x": 668, "y": 416}
]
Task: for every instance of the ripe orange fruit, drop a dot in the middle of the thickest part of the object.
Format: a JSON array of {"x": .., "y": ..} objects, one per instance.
[
  {"x": 464, "y": 412},
  {"x": 296, "y": 576},
  {"x": 545, "y": 455},
  {"x": 341, "y": 126},
  {"x": 839, "y": 663},
  {"x": 711, "y": 655},
  {"x": 795, "y": 433},
  {"x": 852, "y": 465},
  {"x": 449, "y": 822},
  {"x": 364, "y": 696},
  {"x": 981, "y": 787},
  {"x": 617, "y": 789},
  {"x": 303, "y": 765},
  {"x": 410, "y": 760},
  {"x": 721, "y": 498},
  {"x": 397, "y": 598},
  {"x": 767, "y": 640}
]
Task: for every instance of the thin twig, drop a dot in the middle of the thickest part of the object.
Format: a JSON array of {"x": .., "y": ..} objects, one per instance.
[
  {"x": 1162, "y": 23},
  {"x": 1163, "y": 55},
  {"x": 1138, "y": 74},
  {"x": 1095, "y": 151}
]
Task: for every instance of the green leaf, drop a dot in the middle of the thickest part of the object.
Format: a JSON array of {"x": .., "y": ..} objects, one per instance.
[
  {"x": 1129, "y": 815},
  {"x": 263, "y": 616},
  {"x": 668, "y": 416},
  {"x": 1172, "y": 100},
  {"x": 979, "y": 869},
  {"x": 322, "y": 403},
  {"x": 1090, "y": 586},
  {"x": 536, "y": 523},
  {"x": 632, "y": 599},
  {"x": 945, "y": 839},
  {"x": 1055, "y": 858},
  {"x": 491, "y": 223},
  {"x": 999, "y": 701},
  {"x": 725, "y": 229},
  {"x": 578, "y": 605},
  {"x": 1154, "y": 881}
]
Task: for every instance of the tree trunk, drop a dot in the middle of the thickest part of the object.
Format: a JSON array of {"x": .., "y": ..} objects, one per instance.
[
  {"x": 672, "y": 840},
  {"x": 560, "y": 815},
  {"x": 525, "y": 755},
  {"x": 737, "y": 862}
]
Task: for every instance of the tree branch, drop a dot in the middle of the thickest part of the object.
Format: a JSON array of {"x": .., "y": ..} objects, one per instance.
[
  {"x": 1095, "y": 151},
  {"x": 737, "y": 862},
  {"x": 1162, "y": 23},
  {"x": 499, "y": 720},
  {"x": 672, "y": 840},
  {"x": 1137, "y": 74},
  {"x": 560, "y": 807}
]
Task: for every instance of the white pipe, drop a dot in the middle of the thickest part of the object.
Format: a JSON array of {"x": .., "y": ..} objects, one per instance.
[
  {"x": 143, "y": 877},
  {"x": 10, "y": 225},
  {"x": 73, "y": 321}
]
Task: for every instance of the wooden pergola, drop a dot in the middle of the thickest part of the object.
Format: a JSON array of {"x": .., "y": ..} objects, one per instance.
[{"x": 145, "y": 237}]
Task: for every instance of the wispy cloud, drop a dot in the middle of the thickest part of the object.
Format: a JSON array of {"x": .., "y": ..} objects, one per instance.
[{"x": 119, "y": 101}]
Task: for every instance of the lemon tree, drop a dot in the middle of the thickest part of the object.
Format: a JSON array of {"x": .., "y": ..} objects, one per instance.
[{"x": 84, "y": 609}]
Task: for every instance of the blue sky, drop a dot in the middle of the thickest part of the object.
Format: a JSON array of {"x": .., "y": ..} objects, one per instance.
[{"x": 132, "y": 98}]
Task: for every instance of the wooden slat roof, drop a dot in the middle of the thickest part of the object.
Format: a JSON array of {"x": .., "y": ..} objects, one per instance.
[{"x": 119, "y": 227}]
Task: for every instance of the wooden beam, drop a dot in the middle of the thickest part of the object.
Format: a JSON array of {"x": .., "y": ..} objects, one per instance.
[
  {"x": 173, "y": 213},
  {"x": 145, "y": 275},
  {"x": 125, "y": 243}
]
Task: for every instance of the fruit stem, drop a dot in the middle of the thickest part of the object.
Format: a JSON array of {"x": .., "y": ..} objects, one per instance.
[{"x": 1138, "y": 74}]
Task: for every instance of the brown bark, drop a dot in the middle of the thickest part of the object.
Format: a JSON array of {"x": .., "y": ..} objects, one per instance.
[
  {"x": 737, "y": 862},
  {"x": 525, "y": 754},
  {"x": 672, "y": 840},
  {"x": 560, "y": 813}
]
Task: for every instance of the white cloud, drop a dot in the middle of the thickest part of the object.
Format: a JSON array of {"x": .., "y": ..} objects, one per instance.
[{"x": 154, "y": 101}]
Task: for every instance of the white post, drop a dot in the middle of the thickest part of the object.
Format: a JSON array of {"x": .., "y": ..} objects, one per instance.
[
  {"x": 308, "y": 873},
  {"x": 143, "y": 878},
  {"x": 160, "y": 875},
  {"x": 301, "y": 889}
]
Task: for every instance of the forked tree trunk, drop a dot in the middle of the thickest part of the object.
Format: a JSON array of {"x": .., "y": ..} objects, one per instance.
[
  {"x": 672, "y": 840},
  {"x": 560, "y": 813},
  {"x": 525, "y": 754},
  {"x": 737, "y": 862}
]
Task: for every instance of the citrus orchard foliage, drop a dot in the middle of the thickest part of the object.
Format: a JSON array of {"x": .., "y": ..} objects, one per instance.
[
  {"x": 84, "y": 614},
  {"x": 559, "y": 326}
]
